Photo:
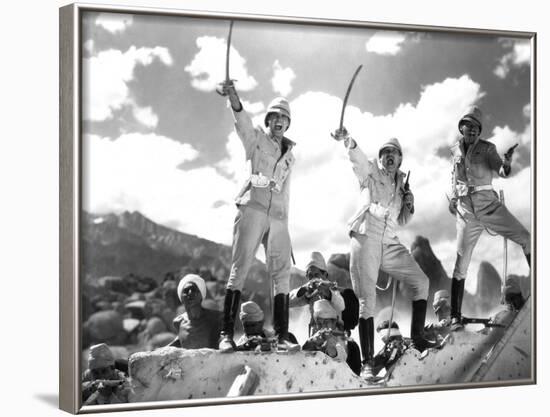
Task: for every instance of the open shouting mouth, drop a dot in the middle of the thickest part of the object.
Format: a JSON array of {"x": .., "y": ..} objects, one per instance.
[{"x": 278, "y": 127}]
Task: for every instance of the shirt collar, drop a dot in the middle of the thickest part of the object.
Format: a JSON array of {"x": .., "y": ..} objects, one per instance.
[{"x": 472, "y": 146}]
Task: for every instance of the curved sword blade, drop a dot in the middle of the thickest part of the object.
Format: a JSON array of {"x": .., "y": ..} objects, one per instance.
[
  {"x": 227, "y": 79},
  {"x": 344, "y": 104}
]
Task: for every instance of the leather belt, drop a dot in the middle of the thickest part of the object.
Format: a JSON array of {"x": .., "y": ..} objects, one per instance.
[
  {"x": 475, "y": 188},
  {"x": 261, "y": 181}
]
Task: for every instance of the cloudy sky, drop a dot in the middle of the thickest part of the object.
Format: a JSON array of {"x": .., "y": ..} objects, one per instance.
[{"x": 158, "y": 139}]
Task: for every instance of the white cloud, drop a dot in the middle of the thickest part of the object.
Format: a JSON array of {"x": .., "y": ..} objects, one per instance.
[
  {"x": 146, "y": 116},
  {"x": 282, "y": 79},
  {"x": 106, "y": 77},
  {"x": 89, "y": 46},
  {"x": 253, "y": 108},
  {"x": 114, "y": 22},
  {"x": 504, "y": 138},
  {"x": 522, "y": 53},
  {"x": 501, "y": 70},
  {"x": 207, "y": 69},
  {"x": 527, "y": 111},
  {"x": 385, "y": 42},
  {"x": 139, "y": 172},
  {"x": 519, "y": 56},
  {"x": 235, "y": 164}
]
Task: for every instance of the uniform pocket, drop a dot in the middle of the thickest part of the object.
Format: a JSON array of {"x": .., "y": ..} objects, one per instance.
[
  {"x": 263, "y": 162},
  {"x": 478, "y": 157}
]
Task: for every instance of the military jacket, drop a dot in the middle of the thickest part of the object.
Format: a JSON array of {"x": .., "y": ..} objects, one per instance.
[
  {"x": 269, "y": 161},
  {"x": 476, "y": 167},
  {"x": 380, "y": 207}
]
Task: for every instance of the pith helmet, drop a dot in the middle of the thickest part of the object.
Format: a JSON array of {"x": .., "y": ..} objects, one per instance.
[
  {"x": 392, "y": 143},
  {"x": 472, "y": 115},
  {"x": 251, "y": 312},
  {"x": 318, "y": 261},
  {"x": 100, "y": 356},
  {"x": 278, "y": 105}
]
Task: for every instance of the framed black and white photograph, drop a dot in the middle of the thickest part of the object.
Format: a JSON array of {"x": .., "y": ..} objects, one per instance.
[{"x": 258, "y": 208}]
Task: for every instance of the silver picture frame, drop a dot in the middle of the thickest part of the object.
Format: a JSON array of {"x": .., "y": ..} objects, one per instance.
[{"x": 71, "y": 196}]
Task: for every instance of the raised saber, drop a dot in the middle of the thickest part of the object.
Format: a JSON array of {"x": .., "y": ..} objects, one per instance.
[
  {"x": 344, "y": 104},
  {"x": 228, "y": 80}
]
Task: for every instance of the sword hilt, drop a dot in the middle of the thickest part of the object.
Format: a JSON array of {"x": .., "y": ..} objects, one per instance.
[
  {"x": 339, "y": 133},
  {"x": 224, "y": 84}
]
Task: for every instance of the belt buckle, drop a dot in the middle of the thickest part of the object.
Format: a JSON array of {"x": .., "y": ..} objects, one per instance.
[
  {"x": 471, "y": 189},
  {"x": 259, "y": 180}
]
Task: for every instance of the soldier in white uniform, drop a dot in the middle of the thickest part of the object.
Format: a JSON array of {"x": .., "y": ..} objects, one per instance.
[
  {"x": 383, "y": 206},
  {"x": 262, "y": 213},
  {"x": 475, "y": 204}
]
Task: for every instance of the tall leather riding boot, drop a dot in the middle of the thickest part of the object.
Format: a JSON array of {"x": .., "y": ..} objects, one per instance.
[
  {"x": 528, "y": 257},
  {"x": 230, "y": 308},
  {"x": 457, "y": 293},
  {"x": 366, "y": 340},
  {"x": 418, "y": 321},
  {"x": 280, "y": 323}
]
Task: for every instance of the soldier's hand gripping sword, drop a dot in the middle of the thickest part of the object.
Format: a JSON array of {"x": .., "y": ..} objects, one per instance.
[
  {"x": 228, "y": 82},
  {"x": 341, "y": 132}
]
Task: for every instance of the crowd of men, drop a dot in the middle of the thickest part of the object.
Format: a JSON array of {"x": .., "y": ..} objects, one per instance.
[
  {"x": 386, "y": 203},
  {"x": 332, "y": 309}
]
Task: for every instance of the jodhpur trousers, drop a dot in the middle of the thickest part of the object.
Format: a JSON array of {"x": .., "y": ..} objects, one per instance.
[
  {"x": 252, "y": 227},
  {"x": 368, "y": 255},
  {"x": 469, "y": 226}
]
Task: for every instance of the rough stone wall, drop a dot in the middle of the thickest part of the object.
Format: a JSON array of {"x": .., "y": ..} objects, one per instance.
[
  {"x": 458, "y": 359},
  {"x": 514, "y": 361},
  {"x": 178, "y": 374},
  {"x": 505, "y": 353}
]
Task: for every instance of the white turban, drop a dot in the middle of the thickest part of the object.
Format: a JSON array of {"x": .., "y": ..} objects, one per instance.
[{"x": 195, "y": 279}]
